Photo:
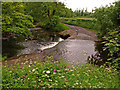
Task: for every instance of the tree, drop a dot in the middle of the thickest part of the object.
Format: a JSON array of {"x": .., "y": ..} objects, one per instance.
[
  {"x": 14, "y": 21},
  {"x": 108, "y": 17}
]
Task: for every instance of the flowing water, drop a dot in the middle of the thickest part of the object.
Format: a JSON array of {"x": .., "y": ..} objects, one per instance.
[{"x": 75, "y": 50}]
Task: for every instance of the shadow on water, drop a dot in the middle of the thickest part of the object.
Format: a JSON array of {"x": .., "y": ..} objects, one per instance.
[
  {"x": 10, "y": 46},
  {"x": 71, "y": 49},
  {"x": 100, "y": 57}
]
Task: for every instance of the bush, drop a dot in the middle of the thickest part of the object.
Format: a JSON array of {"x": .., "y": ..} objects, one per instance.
[
  {"x": 52, "y": 23},
  {"x": 112, "y": 44}
]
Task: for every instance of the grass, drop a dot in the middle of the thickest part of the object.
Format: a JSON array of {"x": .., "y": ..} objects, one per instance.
[
  {"x": 56, "y": 74},
  {"x": 60, "y": 27},
  {"x": 88, "y": 23}
]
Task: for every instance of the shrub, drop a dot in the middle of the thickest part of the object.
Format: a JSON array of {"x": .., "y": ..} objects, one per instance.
[{"x": 112, "y": 44}]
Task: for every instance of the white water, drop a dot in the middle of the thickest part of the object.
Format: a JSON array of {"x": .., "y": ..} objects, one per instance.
[
  {"x": 36, "y": 47},
  {"x": 51, "y": 45}
]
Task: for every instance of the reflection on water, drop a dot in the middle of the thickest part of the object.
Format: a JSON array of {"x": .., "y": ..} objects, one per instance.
[
  {"x": 73, "y": 50},
  {"x": 36, "y": 46},
  {"x": 42, "y": 40}
]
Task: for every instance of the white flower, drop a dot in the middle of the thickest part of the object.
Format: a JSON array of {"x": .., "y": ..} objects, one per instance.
[
  {"x": 58, "y": 70},
  {"x": 33, "y": 70},
  {"x": 29, "y": 65},
  {"x": 77, "y": 83},
  {"x": 43, "y": 71},
  {"x": 30, "y": 62},
  {"x": 47, "y": 72},
  {"x": 34, "y": 61},
  {"x": 39, "y": 79},
  {"x": 26, "y": 62},
  {"x": 56, "y": 81},
  {"x": 54, "y": 73},
  {"x": 73, "y": 74},
  {"x": 50, "y": 80}
]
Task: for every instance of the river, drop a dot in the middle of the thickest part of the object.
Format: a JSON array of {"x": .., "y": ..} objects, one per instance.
[{"x": 75, "y": 50}]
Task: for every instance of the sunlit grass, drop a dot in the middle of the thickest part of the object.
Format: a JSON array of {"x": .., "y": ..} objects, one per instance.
[{"x": 55, "y": 74}]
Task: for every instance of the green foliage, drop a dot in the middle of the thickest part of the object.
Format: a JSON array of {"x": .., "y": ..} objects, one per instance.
[
  {"x": 3, "y": 58},
  {"x": 47, "y": 13},
  {"x": 60, "y": 27},
  {"x": 88, "y": 23},
  {"x": 82, "y": 13},
  {"x": 14, "y": 20},
  {"x": 112, "y": 44},
  {"x": 109, "y": 20},
  {"x": 57, "y": 74},
  {"x": 107, "y": 17},
  {"x": 52, "y": 23}
]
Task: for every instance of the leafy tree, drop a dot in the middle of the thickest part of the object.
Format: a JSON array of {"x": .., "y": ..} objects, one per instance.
[
  {"x": 108, "y": 17},
  {"x": 14, "y": 21}
]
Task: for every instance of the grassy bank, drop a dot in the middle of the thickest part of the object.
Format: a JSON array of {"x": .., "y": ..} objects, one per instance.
[
  {"x": 55, "y": 74},
  {"x": 89, "y": 23}
]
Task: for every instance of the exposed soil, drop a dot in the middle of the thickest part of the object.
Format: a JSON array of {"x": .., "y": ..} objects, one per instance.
[{"x": 82, "y": 33}]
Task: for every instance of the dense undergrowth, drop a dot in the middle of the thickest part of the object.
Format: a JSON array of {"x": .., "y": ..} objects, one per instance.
[{"x": 57, "y": 74}]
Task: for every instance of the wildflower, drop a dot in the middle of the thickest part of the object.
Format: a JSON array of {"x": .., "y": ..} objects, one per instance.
[
  {"x": 64, "y": 86},
  {"x": 81, "y": 87},
  {"x": 29, "y": 65},
  {"x": 88, "y": 70},
  {"x": 54, "y": 70},
  {"x": 95, "y": 65},
  {"x": 26, "y": 62},
  {"x": 39, "y": 79},
  {"x": 50, "y": 80},
  {"x": 71, "y": 70},
  {"x": 30, "y": 62},
  {"x": 47, "y": 72},
  {"x": 66, "y": 69},
  {"x": 56, "y": 81},
  {"x": 58, "y": 70},
  {"x": 33, "y": 70},
  {"x": 63, "y": 76},
  {"x": 43, "y": 71},
  {"x": 54, "y": 73},
  {"x": 77, "y": 83},
  {"x": 34, "y": 61},
  {"x": 73, "y": 75},
  {"x": 65, "y": 80},
  {"x": 45, "y": 75},
  {"x": 73, "y": 86}
]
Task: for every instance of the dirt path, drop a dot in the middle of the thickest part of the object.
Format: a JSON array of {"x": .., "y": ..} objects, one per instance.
[{"x": 82, "y": 33}]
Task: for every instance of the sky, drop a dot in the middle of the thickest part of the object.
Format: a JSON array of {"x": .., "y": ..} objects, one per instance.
[{"x": 89, "y": 4}]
